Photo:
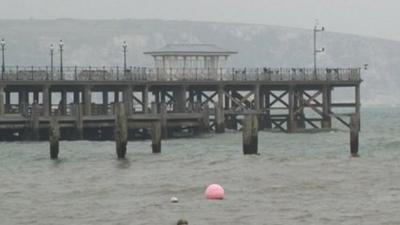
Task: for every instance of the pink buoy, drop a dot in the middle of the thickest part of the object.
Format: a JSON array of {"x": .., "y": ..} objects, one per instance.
[{"x": 214, "y": 191}]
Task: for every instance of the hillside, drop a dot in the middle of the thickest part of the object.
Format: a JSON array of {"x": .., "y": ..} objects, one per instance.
[{"x": 98, "y": 42}]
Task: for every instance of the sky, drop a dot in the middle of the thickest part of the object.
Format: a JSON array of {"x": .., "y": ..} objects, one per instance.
[{"x": 377, "y": 18}]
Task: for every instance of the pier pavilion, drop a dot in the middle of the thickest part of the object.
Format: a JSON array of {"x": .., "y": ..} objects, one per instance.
[{"x": 185, "y": 90}]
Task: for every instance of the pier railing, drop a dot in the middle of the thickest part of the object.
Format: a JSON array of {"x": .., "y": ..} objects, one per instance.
[{"x": 179, "y": 74}]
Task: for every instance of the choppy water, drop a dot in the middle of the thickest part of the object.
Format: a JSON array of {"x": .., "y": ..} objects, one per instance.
[{"x": 297, "y": 179}]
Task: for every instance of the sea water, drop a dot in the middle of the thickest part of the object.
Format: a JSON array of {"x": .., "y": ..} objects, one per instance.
[{"x": 297, "y": 179}]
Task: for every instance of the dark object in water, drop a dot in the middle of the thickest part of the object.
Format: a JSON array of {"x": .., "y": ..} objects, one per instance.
[{"x": 182, "y": 222}]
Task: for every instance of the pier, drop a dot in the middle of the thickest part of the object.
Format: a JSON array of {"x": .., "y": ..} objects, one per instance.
[{"x": 84, "y": 100}]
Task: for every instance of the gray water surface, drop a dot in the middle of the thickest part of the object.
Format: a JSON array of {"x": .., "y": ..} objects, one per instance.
[{"x": 297, "y": 179}]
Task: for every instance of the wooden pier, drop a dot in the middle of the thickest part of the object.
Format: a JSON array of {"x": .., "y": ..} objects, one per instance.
[{"x": 167, "y": 102}]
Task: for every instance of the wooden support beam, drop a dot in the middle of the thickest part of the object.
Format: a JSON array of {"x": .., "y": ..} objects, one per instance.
[
  {"x": 326, "y": 122},
  {"x": 180, "y": 99},
  {"x": 78, "y": 121},
  {"x": 267, "y": 106},
  {"x": 54, "y": 137},
  {"x": 250, "y": 134},
  {"x": 76, "y": 97},
  {"x": 358, "y": 105},
  {"x": 291, "y": 124},
  {"x": 23, "y": 102},
  {"x": 116, "y": 96},
  {"x": 311, "y": 98},
  {"x": 156, "y": 137},
  {"x": 354, "y": 129},
  {"x": 127, "y": 98},
  {"x": 163, "y": 119},
  {"x": 205, "y": 119},
  {"x": 35, "y": 122},
  {"x": 2, "y": 106},
  {"x": 219, "y": 112},
  {"x": 36, "y": 96},
  {"x": 340, "y": 119},
  {"x": 121, "y": 131},
  {"x": 46, "y": 100},
  {"x": 208, "y": 98},
  {"x": 279, "y": 98},
  {"x": 87, "y": 101},
  {"x": 146, "y": 99},
  {"x": 63, "y": 103},
  {"x": 299, "y": 106}
]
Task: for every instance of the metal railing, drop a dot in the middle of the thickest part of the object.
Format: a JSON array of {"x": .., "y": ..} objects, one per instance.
[{"x": 180, "y": 74}]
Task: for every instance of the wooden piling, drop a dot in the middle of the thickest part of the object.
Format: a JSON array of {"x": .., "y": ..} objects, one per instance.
[
  {"x": 163, "y": 119},
  {"x": 205, "y": 119},
  {"x": 154, "y": 108},
  {"x": 354, "y": 129},
  {"x": 156, "y": 137},
  {"x": 35, "y": 122},
  {"x": 219, "y": 118},
  {"x": 326, "y": 104},
  {"x": 250, "y": 134},
  {"x": 79, "y": 121},
  {"x": 120, "y": 131},
  {"x": 2, "y": 106},
  {"x": 54, "y": 137}
]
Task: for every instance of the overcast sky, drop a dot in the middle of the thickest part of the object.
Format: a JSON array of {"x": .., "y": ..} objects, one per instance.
[{"x": 380, "y": 18}]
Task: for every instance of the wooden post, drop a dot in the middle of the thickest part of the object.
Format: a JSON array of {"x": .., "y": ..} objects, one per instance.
[
  {"x": 128, "y": 101},
  {"x": 87, "y": 101},
  {"x": 105, "y": 102},
  {"x": 180, "y": 99},
  {"x": 326, "y": 104},
  {"x": 301, "y": 123},
  {"x": 156, "y": 137},
  {"x": 120, "y": 131},
  {"x": 154, "y": 108},
  {"x": 163, "y": 118},
  {"x": 63, "y": 102},
  {"x": 146, "y": 99},
  {"x": 291, "y": 123},
  {"x": 46, "y": 101},
  {"x": 79, "y": 121},
  {"x": 358, "y": 105},
  {"x": 23, "y": 102},
  {"x": 116, "y": 96},
  {"x": 205, "y": 119},
  {"x": 354, "y": 129},
  {"x": 267, "y": 116},
  {"x": 76, "y": 97},
  {"x": 219, "y": 112},
  {"x": 35, "y": 121},
  {"x": 36, "y": 96},
  {"x": 8, "y": 101},
  {"x": 54, "y": 137},
  {"x": 2, "y": 109},
  {"x": 250, "y": 134}
]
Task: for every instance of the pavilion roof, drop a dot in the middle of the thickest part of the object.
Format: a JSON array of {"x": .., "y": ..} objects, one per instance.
[{"x": 190, "y": 50}]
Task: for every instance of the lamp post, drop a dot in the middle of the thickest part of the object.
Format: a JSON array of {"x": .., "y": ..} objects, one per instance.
[
  {"x": 61, "y": 59},
  {"x": 51, "y": 60},
  {"x": 3, "y": 68},
  {"x": 316, "y": 51},
  {"x": 124, "y": 46}
]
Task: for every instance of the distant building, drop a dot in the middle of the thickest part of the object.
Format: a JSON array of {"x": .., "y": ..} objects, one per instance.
[{"x": 190, "y": 56}]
